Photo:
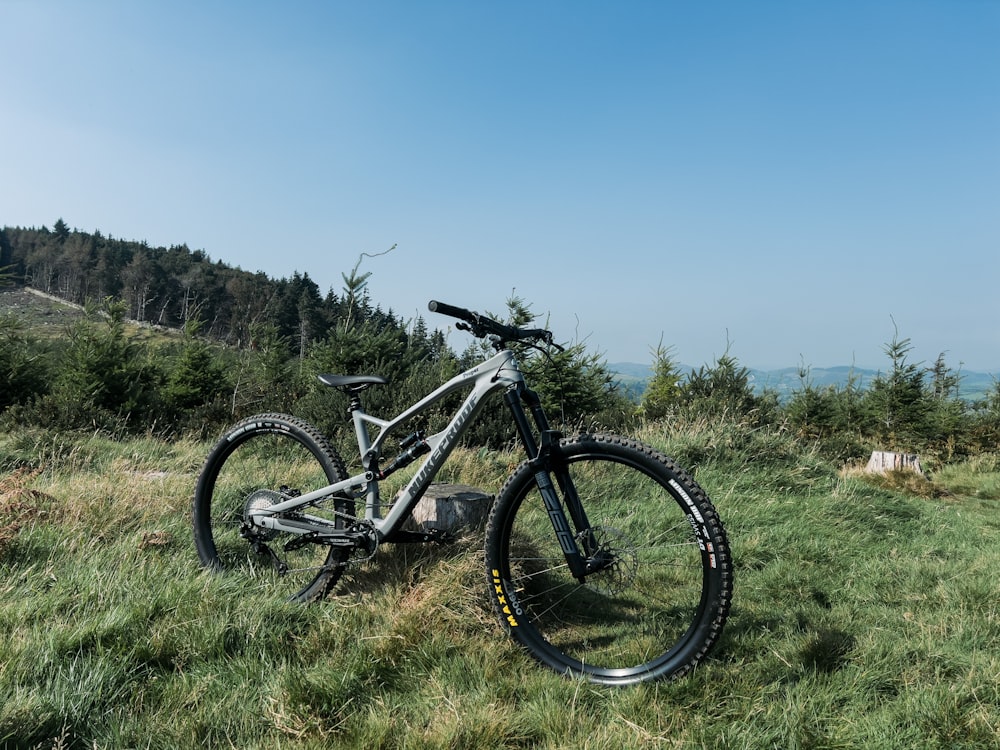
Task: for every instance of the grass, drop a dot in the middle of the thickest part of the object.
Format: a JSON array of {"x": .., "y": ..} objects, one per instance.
[{"x": 865, "y": 615}]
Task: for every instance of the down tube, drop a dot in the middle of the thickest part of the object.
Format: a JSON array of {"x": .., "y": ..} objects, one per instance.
[{"x": 441, "y": 446}]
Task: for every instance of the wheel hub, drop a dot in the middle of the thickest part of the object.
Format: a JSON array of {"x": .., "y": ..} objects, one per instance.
[{"x": 616, "y": 561}]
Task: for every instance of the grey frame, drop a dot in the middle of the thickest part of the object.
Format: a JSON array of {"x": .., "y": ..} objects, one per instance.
[{"x": 499, "y": 372}]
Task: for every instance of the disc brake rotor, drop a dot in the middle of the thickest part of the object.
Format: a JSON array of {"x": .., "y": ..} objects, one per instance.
[{"x": 617, "y": 575}]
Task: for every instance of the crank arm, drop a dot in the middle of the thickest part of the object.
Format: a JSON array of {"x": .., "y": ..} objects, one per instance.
[
  {"x": 342, "y": 539},
  {"x": 420, "y": 537}
]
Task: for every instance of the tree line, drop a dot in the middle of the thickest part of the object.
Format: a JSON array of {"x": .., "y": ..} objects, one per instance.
[
  {"x": 245, "y": 343},
  {"x": 174, "y": 286}
]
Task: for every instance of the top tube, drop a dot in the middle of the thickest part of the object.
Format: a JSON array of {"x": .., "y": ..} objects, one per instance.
[{"x": 499, "y": 371}]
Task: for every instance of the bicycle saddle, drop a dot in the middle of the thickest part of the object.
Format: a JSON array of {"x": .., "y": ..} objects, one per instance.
[{"x": 351, "y": 381}]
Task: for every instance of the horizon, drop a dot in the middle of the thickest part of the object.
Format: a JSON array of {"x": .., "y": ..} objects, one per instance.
[
  {"x": 684, "y": 367},
  {"x": 779, "y": 182}
]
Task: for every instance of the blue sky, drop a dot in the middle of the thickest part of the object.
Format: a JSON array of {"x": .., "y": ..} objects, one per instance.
[{"x": 788, "y": 181}]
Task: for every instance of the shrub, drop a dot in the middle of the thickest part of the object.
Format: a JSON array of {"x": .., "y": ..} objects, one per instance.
[
  {"x": 23, "y": 366},
  {"x": 104, "y": 380}
]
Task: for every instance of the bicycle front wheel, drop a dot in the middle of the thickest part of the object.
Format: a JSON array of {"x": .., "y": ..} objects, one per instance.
[
  {"x": 659, "y": 597},
  {"x": 260, "y": 462}
]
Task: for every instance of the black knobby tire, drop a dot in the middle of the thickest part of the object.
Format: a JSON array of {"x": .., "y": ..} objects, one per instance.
[
  {"x": 656, "y": 611},
  {"x": 255, "y": 464}
]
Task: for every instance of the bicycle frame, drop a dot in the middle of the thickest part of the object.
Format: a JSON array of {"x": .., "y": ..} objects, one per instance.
[{"x": 499, "y": 372}]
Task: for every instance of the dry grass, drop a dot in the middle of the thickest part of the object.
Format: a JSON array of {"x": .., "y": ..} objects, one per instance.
[
  {"x": 905, "y": 481},
  {"x": 19, "y": 504}
]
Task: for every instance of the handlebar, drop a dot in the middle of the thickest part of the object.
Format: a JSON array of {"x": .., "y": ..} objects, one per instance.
[
  {"x": 451, "y": 311},
  {"x": 481, "y": 326}
]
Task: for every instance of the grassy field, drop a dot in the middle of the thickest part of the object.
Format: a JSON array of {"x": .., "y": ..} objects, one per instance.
[{"x": 865, "y": 615}]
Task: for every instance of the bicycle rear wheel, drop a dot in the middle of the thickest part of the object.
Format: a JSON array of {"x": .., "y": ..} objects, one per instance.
[
  {"x": 658, "y": 606},
  {"x": 262, "y": 461}
]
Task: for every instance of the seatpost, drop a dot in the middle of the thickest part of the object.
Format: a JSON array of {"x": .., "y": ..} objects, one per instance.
[{"x": 354, "y": 404}]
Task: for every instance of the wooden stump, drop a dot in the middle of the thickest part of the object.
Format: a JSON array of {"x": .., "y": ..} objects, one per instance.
[
  {"x": 450, "y": 507},
  {"x": 883, "y": 461}
]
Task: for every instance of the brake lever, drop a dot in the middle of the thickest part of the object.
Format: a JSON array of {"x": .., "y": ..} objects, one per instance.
[
  {"x": 550, "y": 342},
  {"x": 476, "y": 329}
]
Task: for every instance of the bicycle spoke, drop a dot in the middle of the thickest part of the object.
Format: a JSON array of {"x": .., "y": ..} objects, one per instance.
[
  {"x": 265, "y": 461},
  {"x": 639, "y": 613}
]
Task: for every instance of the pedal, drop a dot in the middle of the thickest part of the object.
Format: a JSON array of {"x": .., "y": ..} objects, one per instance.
[{"x": 440, "y": 536}]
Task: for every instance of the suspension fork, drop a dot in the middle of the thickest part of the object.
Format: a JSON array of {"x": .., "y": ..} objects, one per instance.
[{"x": 546, "y": 460}]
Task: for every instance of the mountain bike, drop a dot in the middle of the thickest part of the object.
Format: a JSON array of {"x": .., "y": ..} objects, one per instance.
[{"x": 604, "y": 559}]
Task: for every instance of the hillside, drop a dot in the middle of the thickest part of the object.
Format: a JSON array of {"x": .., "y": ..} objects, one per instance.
[
  {"x": 40, "y": 313},
  {"x": 174, "y": 286}
]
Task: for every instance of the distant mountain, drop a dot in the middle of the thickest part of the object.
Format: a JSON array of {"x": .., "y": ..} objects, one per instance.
[
  {"x": 633, "y": 378},
  {"x": 787, "y": 380}
]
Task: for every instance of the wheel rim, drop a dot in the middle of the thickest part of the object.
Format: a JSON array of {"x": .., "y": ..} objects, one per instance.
[
  {"x": 639, "y": 616},
  {"x": 258, "y": 471}
]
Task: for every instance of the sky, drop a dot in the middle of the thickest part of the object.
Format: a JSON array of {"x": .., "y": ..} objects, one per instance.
[{"x": 789, "y": 183}]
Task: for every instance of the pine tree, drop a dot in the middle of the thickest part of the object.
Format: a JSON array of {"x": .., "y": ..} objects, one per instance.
[
  {"x": 104, "y": 378},
  {"x": 23, "y": 373},
  {"x": 896, "y": 401},
  {"x": 61, "y": 231},
  {"x": 573, "y": 384},
  {"x": 663, "y": 391},
  {"x": 947, "y": 413},
  {"x": 197, "y": 378},
  {"x": 723, "y": 390}
]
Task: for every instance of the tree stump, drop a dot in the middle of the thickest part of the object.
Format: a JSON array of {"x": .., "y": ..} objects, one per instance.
[
  {"x": 450, "y": 507},
  {"x": 883, "y": 461}
]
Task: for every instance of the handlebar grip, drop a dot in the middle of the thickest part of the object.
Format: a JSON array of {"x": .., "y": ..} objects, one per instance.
[
  {"x": 535, "y": 333},
  {"x": 450, "y": 310}
]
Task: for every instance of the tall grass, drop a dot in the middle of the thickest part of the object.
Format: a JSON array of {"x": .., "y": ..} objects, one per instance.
[{"x": 865, "y": 615}]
